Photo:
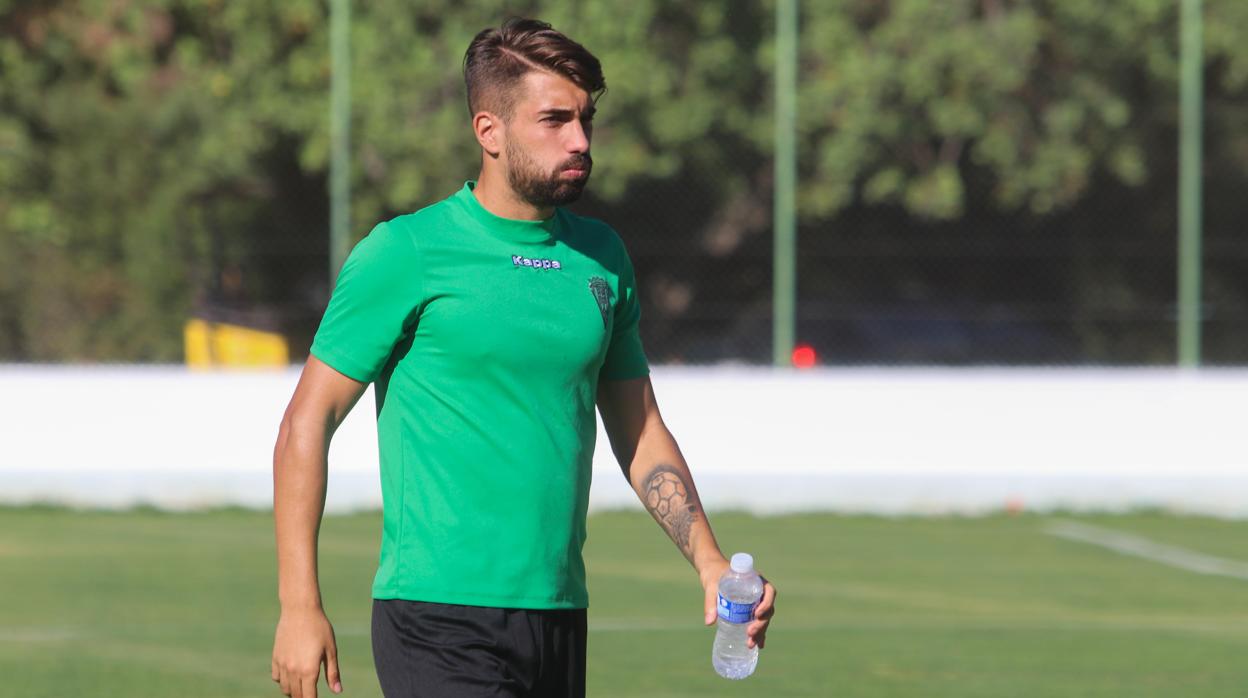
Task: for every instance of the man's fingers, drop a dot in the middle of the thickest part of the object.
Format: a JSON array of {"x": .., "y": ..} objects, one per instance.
[
  {"x": 766, "y": 607},
  {"x": 284, "y": 680},
  {"x": 274, "y": 671},
  {"x": 756, "y": 634},
  {"x": 309, "y": 685},
  {"x": 332, "y": 676}
]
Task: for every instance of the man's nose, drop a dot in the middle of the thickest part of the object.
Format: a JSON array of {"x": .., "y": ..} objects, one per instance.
[{"x": 578, "y": 138}]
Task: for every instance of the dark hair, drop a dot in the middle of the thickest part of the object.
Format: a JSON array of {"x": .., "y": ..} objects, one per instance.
[{"x": 497, "y": 59}]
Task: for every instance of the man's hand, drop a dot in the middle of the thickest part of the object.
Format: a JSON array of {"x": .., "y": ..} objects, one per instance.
[
  {"x": 304, "y": 640},
  {"x": 757, "y": 631}
]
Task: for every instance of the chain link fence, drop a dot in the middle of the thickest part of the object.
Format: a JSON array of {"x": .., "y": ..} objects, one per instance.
[
  {"x": 1091, "y": 282},
  {"x": 1094, "y": 284}
]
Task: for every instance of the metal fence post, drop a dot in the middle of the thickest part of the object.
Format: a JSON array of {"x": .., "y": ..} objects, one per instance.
[
  {"x": 784, "y": 301},
  {"x": 339, "y": 135},
  {"x": 1191, "y": 89}
]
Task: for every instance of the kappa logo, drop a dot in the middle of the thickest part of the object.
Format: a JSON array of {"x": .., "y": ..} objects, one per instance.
[
  {"x": 602, "y": 293},
  {"x": 519, "y": 261}
]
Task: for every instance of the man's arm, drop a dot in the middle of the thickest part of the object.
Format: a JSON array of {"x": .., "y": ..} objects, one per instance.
[
  {"x": 656, "y": 470},
  {"x": 304, "y": 636}
]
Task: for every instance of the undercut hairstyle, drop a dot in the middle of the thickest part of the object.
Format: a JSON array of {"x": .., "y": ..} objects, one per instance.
[{"x": 498, "y": 59}]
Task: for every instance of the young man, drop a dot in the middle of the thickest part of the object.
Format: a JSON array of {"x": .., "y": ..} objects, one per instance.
[{"x": 492, "y": 323}]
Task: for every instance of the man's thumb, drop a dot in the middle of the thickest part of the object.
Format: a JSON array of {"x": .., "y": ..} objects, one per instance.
[
  {"x": 709, "y": 611},
  {"x": 331, "y": 672}
]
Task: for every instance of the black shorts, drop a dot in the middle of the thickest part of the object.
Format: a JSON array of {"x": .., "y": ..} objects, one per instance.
[{"x": 434, "y": 650}]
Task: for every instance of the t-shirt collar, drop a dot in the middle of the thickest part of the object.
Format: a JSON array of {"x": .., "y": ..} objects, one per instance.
[{"x": 519, "y": 230}]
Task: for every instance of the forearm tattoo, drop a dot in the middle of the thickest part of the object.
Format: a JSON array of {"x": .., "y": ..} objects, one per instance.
[{"x": 669, "y": 499}]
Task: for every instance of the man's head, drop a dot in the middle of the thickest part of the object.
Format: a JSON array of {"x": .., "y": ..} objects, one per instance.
[{"x": 531, "y": 93}]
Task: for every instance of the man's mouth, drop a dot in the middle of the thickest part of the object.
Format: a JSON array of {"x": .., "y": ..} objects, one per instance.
[{"x": 576, "y": 168}]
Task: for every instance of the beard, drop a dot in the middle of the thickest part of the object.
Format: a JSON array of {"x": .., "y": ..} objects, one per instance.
[{"x": 543, "y": 189}]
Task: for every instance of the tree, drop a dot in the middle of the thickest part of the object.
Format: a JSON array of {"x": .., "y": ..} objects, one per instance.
[{"x": 163, "y": 156}]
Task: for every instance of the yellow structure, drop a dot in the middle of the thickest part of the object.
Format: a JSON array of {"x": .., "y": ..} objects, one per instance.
[{"x": 219, "y": 344}]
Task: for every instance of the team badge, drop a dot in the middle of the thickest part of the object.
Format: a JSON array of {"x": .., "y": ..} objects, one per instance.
[{"x": 602, "y": 293}]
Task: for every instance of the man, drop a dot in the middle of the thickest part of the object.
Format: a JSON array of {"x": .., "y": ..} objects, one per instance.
[{"x": 492, "y": 324}]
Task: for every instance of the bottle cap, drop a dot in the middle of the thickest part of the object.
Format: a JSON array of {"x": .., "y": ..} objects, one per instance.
[{"x": 742, "y": 563}]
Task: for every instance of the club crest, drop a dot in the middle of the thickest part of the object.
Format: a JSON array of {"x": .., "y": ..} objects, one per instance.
[{"x": 602, "y": 293}]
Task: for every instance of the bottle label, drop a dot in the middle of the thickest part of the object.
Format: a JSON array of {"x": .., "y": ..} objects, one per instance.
[{"x": 736, "y": 612}]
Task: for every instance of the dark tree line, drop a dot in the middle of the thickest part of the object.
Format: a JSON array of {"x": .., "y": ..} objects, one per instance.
[{"x": 981, "y": 180}]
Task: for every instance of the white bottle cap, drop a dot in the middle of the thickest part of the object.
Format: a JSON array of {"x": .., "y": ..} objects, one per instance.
[{"x": 742, "y": 563}]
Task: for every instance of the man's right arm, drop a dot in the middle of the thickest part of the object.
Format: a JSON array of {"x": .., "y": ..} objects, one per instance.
[{"x": 305, "y": 638}]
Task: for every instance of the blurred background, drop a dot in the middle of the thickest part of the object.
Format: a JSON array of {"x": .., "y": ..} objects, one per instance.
[
  {"x": 900, "y": 261},
  {"x": 986, "y": 182}
]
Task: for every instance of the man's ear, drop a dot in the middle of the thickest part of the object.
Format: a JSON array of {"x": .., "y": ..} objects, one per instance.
[{"x": 489, "y": 130}]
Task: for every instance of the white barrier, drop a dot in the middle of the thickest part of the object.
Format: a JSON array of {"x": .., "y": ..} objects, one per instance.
[{"x": 883, "y": 441}]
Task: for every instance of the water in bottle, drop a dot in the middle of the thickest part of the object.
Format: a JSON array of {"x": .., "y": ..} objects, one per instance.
[{"x": 740, "y": 590}]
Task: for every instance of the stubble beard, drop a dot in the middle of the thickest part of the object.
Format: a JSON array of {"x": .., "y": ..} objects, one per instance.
[{"x": 540, "y": 189}]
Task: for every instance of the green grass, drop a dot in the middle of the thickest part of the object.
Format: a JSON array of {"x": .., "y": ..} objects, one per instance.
[{"x": 145, "y": 603}]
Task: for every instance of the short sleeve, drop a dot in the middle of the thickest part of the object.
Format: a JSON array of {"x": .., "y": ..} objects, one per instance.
[
  {"x": 626, "y": 359},
  {"x": 375, "y": 299}
]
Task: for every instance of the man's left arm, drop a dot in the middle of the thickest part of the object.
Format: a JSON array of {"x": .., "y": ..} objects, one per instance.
[{"x": 656, "y": 470}]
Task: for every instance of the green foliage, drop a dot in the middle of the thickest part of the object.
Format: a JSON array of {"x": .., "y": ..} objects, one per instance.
[
  {"x": 145, "y": 147},
  {"x": 902, "y": 97},
  {"x": 136, "y": 130}
]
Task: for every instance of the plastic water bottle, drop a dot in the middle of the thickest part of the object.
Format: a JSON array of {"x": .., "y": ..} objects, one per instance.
[{"x": 740, "y": 590}]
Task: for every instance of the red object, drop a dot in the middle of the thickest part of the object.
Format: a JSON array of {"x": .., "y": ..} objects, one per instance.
[{"x": 804, "y": 356}]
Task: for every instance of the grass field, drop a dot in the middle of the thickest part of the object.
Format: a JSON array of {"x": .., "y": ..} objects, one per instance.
[{"x": 144, "y": 603}]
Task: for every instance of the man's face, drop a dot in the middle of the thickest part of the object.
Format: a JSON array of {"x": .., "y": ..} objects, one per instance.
[{"x": 547, "y": 140}]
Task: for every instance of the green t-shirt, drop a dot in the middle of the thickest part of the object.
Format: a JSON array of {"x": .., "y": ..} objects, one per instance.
[{"x": 486, "y": 338}]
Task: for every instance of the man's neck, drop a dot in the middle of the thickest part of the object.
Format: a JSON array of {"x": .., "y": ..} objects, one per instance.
[{"x": 496, "y": 196}]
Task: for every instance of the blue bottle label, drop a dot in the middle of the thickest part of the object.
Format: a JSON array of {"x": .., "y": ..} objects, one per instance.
[{"x": 736, "y": 612}]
